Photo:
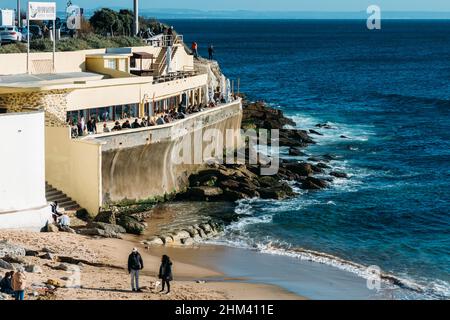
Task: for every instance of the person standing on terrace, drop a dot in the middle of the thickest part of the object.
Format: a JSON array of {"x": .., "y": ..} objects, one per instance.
[
  {"x": 211, "y": 52},
  {"x": 195, "y": 49}
]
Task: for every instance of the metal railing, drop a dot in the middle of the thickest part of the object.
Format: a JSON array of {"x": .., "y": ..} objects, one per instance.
[{"x": 164, "y": 40}]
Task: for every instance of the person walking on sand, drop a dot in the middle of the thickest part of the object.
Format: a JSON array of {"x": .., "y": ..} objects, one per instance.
[
  {"x": 19, "y": 283},
  {"x": 165, "y": 273},
  {"x": 135, "y": 264}
]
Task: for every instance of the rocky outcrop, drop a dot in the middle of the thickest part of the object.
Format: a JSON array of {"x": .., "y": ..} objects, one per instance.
[
  {"x": 294, "y": 138},
  {"x": 9, "y": 249},
  {"x": 259, "y": 115},
  {"x": 312, "y": 183},
  {"x": 187, "y": 236},
  {"x": 6, "y": 265},
  {"x": 341, "y": 175},
  {"x": 231, "y": 183},
  {"x": 131, "y": 224},
  {"x": 112, "y": 223}
]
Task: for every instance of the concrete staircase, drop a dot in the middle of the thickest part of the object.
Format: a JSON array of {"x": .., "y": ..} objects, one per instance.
[{"x": 52, "y": 194}]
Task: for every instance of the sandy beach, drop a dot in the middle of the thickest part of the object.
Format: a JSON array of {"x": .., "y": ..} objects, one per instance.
[{"x": 112, "y": 282}]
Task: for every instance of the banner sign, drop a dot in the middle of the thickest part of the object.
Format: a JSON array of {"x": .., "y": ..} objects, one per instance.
[{"x": 42, "y": 10}]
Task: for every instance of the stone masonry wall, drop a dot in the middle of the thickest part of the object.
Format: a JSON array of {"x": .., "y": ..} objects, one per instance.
[{"x": 54, "y": 103}]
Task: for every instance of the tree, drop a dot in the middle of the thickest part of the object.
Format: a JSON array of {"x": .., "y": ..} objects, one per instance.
[
  {"x": 105, "y": 20},
  {"x": 127, "y": 18}
]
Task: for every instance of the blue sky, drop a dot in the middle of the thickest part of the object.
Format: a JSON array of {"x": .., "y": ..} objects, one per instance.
[{"x": 263, "y": 5}]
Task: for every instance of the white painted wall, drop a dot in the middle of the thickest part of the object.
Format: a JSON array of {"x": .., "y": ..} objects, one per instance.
[{"x": 22, "y": 161}]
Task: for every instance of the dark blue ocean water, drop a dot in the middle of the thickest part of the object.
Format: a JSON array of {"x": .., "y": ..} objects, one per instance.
[{"x": 389, "y": 92}]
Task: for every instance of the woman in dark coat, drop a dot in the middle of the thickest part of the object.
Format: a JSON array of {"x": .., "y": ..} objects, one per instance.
[{"x": 165, "y": 273}]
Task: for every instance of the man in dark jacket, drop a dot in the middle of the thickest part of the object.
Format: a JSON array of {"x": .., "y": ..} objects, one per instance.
[{"x": 135, "y": 264}]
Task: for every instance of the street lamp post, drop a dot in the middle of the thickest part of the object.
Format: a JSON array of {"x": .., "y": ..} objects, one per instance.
[
  {"x": 136, "y": 17},
  {"x": 19, "y": 20}
]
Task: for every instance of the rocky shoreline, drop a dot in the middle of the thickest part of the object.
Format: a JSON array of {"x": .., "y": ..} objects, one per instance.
[{"x": 225, "y": 183}]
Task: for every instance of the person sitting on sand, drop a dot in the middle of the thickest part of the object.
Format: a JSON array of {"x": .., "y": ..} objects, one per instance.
[
  {"x": 165, "y": 273},
  {"x": 19, "y": 283},
  {"x": 6, "y": 283},
  {"x": 64, "y": 221},
  {"x": 135, "y": 264}
]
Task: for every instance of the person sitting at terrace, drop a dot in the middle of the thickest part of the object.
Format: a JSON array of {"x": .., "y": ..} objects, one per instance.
[
  {"x": 181, "y": 108},
  {"x": 152, "y": 122},
  {"x": 105, "y": 128},
  {"x": 160, "y": 120},
  {"x": 135, "y": 124},
  {"x": 144, "y": 123},
  {"x": 180, "y": 115},
  {"x": 126, "y": 125},
  {"x": 117, "y": 126},
  {"x": 167, "y": 119}
]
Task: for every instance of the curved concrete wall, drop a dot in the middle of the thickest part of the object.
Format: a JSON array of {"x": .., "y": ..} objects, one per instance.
[{"x": 141, "y": 164}]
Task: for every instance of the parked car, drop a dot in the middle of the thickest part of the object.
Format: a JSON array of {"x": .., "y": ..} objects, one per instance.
[
  {"x": 10, "y": 34},
  {"x": 36, "y": 31}
]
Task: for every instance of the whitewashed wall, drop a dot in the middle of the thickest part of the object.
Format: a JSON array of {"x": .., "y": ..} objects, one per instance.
[{"x": 22, "y": 161}]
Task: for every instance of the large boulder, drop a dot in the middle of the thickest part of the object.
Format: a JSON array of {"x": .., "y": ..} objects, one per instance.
[
  {"x": 178, "y": 236},
  {"x": 106, "y": 217},
  {"x": 341, "y": 175},
  {"x": 154, "y": 241},
  {"x": 15, "y": 259},
  {"x": 311, "y": 131},
  {"x": 9, "y": 249},
  {"x": 99, "y": 233},
  {"x": 295, "y": 152},
  {"x": 187, "y": 242},
  {"x": 302, "y": 169},
  {"x": 202, "y": 179},
  {"x": 131, "y": 224},
  {"x": 83, "y": 215},
  {"x": 6, "y": 265},
  {"x": 204, "y": 193},
  {"x": 311, "y": 183},
  {"x": 113, "y": 228}
]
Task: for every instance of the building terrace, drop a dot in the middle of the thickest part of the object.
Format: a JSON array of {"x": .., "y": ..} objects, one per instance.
[{"x": 108, "y": 86}]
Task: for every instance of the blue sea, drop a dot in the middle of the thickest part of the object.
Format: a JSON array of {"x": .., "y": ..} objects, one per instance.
[{"x": 388, "y": 91}]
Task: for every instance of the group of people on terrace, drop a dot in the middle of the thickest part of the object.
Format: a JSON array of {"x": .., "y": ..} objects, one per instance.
[{"x": 81, "y": 128}]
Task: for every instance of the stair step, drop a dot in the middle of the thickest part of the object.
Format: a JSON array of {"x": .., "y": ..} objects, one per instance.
[
  {"x": 72, "y": 208},
  {"x": 67, "y": 204},
  {"x": 53, "y": 193},
  {"x": 59, "y": 198},
  {"x": 64, "y": 201}
]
